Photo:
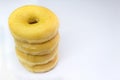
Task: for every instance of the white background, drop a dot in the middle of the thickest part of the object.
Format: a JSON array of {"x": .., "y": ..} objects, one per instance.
[{"x": 90, "y": 40}]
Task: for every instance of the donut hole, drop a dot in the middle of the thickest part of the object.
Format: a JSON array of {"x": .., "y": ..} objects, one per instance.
[{"x": 33, "y": 21}]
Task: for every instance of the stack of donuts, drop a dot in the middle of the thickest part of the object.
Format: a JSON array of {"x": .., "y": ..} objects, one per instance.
[{"x": 36, "y": 36}]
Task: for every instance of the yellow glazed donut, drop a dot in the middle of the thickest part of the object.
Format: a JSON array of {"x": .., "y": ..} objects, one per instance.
[
  {"x": 35, "y": 60},
  {"x": 38, "y": 48},
  {"x": 41, "y": 68},
  {"x": 33, "y": 24}
]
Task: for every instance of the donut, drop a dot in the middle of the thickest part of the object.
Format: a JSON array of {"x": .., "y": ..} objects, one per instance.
[
  {"x": 33, "y": 24},
  {"x": 38, "y": 48},
  {"x": 36, "y": 59},
  {"x": 43, "y": 67}
]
